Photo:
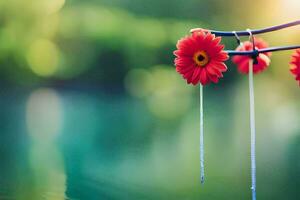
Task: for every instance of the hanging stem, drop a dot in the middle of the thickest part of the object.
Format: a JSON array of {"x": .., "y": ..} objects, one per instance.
[
  {"x": 201, "y": 136},
  {"x": 252, "y": 128}
]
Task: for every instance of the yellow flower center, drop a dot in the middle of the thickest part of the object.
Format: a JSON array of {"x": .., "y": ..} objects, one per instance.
[{"x": 201, "y": 58}]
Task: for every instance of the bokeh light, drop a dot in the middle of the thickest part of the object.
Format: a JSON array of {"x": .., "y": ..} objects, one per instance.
[
  {"x": 44, "y": 115},
  {"x": 168, "y": 91},
  {"x": 138, "y": 82},
  {"x": 163, "y": 89},
  {"x": 290, "y": 9},
  {"x": 52, "y": 6},
  {"x": 43, "y": 57}
]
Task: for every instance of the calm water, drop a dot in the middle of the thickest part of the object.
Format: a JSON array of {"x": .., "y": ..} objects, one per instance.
[{"x": 71, "y": 144}]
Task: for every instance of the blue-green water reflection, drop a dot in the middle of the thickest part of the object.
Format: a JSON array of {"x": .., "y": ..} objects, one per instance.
[{"x": 68, "y": 144}]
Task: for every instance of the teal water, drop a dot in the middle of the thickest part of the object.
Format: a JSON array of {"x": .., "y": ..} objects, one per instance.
[{"x": 73, "y": 144}]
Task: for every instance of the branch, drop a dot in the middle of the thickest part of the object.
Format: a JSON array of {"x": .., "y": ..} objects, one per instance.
[
  {"x": 271, "y": 49},
  {"x": 246, "y": 33}
]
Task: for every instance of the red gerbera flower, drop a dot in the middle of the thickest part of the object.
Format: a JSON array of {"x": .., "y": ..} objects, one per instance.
[
  {"x": 200, "y": 58},
  {"x": 295, "y": 65},
  {"x": 263, "y": 59}
]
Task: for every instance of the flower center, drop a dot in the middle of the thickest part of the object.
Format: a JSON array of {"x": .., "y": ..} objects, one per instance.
[{"x": 201, "y": 58}]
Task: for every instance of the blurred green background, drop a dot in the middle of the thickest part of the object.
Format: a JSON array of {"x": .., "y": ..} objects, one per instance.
[{"x": 92, "y": 108}]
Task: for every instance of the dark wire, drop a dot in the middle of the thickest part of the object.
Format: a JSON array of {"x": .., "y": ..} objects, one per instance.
[
  {"x": 254, "y": 32},
  {"x": 265, "y": 50}
]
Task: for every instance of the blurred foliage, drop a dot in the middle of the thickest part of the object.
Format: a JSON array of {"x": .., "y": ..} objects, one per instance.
[{"x": 97, "y": 43}]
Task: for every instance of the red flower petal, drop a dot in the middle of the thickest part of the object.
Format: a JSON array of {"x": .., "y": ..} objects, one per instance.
[
  {"x": 213, "y": 78},
  {"x": 295, "y": 65},
  {"x": 196, "y": 75},
  {"x": 184, "y": 61},
  {"x": 204, "y": 79},
  {"x": 263, "y": 59},
  {"x": 200, "y": 58},
  {"x": 221, "y": 57},
  {"x": 219, "y": 66},
  {"x": 213, "y": 71}
]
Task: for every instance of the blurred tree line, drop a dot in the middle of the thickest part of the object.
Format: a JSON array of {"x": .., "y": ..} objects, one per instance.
[{"x": 87, "y": 42}]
